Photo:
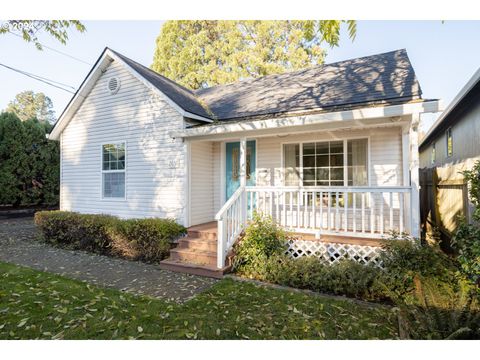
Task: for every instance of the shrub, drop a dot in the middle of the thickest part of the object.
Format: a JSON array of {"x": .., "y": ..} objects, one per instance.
[
  {"x": 467, "y": 243},
  {"x": 262, "y": 239},
  {"x": 407, "y": 262},
  {"x": 466, "y": 240},
  {"x": 136, "y": 239},
  {"x": 346, "y": 277},
  {"x": 150, "y": 239}
]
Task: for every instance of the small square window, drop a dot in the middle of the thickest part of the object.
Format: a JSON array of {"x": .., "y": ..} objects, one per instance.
[{"x": 449, "y": 145}]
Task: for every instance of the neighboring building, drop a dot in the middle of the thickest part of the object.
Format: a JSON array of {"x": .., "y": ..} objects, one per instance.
[
  {"x": 450, "y": 146},
  {"x": 330, "y": 150}
]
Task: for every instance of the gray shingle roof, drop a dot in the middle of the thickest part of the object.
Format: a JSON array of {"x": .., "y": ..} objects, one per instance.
[
  {"x": 374, "y": 78},
  {"x": 387, "y": 77},
  {"x": 177, "y": 93}
]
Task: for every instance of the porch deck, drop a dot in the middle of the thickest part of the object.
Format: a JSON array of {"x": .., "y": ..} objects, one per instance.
[{"x": 197, "y": 253}]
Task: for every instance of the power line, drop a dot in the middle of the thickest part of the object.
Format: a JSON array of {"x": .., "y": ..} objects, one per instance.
[
  {"x": 57, "y": 51},
  {"x": 42, "y": 79}
]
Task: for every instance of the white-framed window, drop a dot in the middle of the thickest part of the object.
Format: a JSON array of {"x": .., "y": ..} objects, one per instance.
[
  {"x": 449, "y": 144},
  {"x": 434, "y": 155},
  {"x": 113, "y": 170},
  {"x": 326, "y": 163}
]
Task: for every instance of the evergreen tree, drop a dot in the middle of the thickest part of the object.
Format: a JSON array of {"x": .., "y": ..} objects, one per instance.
[{"x": 204, "y": 53}]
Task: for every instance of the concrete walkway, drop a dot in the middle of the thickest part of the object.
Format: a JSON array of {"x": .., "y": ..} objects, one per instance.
[{"x": 18, "y": 245}]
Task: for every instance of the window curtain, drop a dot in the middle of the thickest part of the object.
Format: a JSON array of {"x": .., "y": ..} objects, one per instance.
[
  {"x": 291, "y": 156},
  {"x": 358, "y": 165}
]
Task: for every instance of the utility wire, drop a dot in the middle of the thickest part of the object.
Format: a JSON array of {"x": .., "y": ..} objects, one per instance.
[
  {"x": 57, "y": 51},
  {"x": 42, "y": 79}
]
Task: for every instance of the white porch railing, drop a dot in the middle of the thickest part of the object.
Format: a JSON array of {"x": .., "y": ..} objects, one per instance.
[
  {"x": 353, "y": 211},
  {"x": 231, "y": 219},
  {"x": 349, "y": 211}
]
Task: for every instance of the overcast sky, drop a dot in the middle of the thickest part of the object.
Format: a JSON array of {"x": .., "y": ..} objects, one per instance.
[{"x": 444, "y": 55}]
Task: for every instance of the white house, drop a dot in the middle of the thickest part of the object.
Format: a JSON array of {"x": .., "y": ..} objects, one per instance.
[{"x": 330, "y": 151}]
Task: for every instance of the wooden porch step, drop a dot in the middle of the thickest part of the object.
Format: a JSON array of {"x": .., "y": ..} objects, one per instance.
[
  {"x": 196, "y": 253},
  {"x": 206, "y": 231},
  {"x": 194, "y": 256},
  {"x": 202, "y": 234},
  {"x": 195, "y": 269},
  {"x": 195, "y": 243}
]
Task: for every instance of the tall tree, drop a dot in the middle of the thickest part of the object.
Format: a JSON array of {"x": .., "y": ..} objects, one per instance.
[
  {"x": 205, "y": 53},
  {"x": 31, "y": 105},
  {"x": 29, "y": 29}
]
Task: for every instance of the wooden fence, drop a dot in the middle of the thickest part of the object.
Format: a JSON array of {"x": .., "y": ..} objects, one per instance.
[{"x": 443, "y": 201}]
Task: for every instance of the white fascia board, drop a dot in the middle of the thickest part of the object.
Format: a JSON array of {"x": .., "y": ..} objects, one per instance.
[
  {"x": 157, "y": 91},
  {"x": 323, "y": 118},
  {"x": 79, "y": 96},
  {"x": 462, "y": 93}
]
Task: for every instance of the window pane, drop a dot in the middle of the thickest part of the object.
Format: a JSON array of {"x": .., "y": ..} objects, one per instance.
[
  {"x": 322, "y": 161},
  {"x": 113, "y": 157},
  {"x": 323, "y": 174},
  {"x": 357, "y": 168},
  {"x": 336, "y": 174},
  {"x": 309, "y": 161},
  {"x": 336, "y": 147},
  {"x": 309, "y": 149},
  {"x": 309, "y": 174},
  {"x": 322, "y": 148},
  {"x": 336, "y": 160},
  {"x": 114, "y": 185},
  {"x": 291, "y": 156}
]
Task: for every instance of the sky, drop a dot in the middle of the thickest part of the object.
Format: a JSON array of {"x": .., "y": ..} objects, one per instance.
[{"x": 444, "y": 54}]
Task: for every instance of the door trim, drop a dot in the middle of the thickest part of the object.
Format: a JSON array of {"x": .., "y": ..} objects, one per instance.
[{"x": 223, "y": 167}]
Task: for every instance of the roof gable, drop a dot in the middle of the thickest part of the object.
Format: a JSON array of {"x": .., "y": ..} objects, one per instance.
[{"x": 175, "y": 95}]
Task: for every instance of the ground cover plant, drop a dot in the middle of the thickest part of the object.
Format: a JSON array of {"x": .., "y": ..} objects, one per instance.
[{"x": 39, "y": 305}]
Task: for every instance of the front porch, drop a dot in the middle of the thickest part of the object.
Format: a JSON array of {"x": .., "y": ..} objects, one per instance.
[{"x": 346, "y": 184}]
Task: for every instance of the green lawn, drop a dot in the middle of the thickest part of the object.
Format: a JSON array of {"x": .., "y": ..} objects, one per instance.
[{"x": 36, "y": 304}]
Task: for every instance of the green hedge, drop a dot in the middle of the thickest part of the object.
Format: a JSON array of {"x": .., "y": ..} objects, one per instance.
[
  {"x": 29, "y": 163},
  {"x": 148, "y": 240}
]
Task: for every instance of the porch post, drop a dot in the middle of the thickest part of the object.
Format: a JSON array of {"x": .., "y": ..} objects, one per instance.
[
  {"x": 414, "y": 176},
  {"x": 407, "y": 218},
  {"x": 243, "y": 176}
]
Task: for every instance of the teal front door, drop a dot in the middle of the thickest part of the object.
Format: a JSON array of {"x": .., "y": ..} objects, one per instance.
[{"x": 232, "y": 166}]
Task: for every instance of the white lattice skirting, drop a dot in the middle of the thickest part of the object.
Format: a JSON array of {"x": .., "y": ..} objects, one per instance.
[{"x": 334, "y": 252}]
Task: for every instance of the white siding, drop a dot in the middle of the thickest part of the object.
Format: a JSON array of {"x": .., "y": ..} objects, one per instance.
[
  {"x": 155, "y": 170},
  {"x": 201, "y": 183},
  {"x": 218, "y": 184}
]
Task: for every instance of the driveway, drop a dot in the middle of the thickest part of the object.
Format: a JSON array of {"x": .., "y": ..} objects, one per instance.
[{"x": 19, "y": 245}]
